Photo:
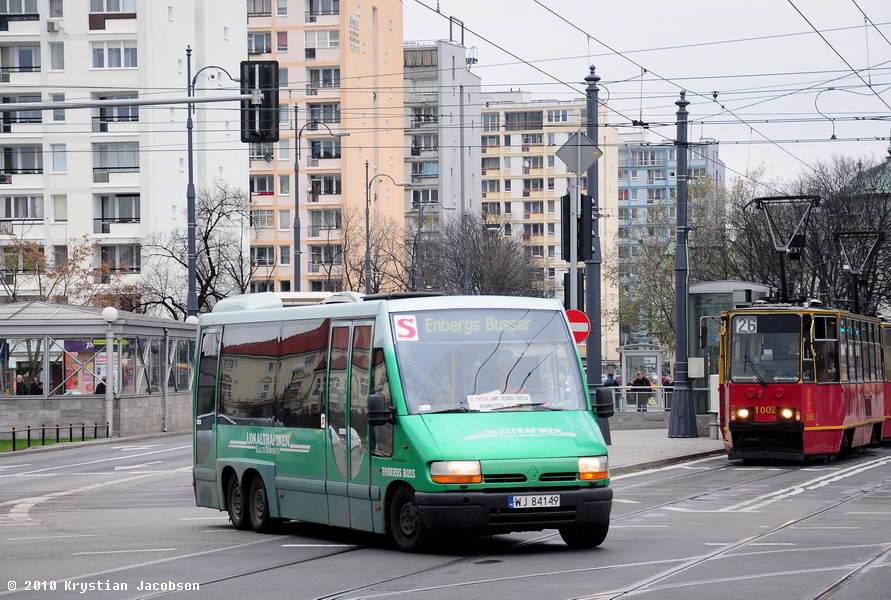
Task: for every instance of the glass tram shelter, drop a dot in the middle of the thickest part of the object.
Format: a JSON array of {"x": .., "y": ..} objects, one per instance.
[{"x": 65, "y": 355}]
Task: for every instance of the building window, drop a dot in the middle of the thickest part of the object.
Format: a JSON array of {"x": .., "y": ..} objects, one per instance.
[
  {"x": 262, "y": 286},
  {"x": 284, "y": 220},
  {"x": 328, "y": 254},
  {"x": 99, "y": 6},
  {"x": 324, "y": 185},
  {"x": 425, "y": 169},
  {"x": 60, "y": 158},
  {"x": 325, "y": 148},
  {"x": 324, "y": 113},
  {"x": 491, "y": 185},
  {"x": 125, "y": 259},
  {"x": 117, "y": 157},
  {"x": 259, "y": 8},
  {"x": 523, "y": 120},
  {"x": 21, "y": 159},
  {"x": 491, "y": 208},
  {"x": 281, "y": 38},
  {"x": 558, "y": 116},
  {"x": 284, "y": 185},
  {"x": 490, "y": 163},
  {"x": 18, "y": 7},
  {"x": 424, "y": 196},
  {"x": 490, "y": 141},
  {"x": 262, "y": 256},
  {"x": 57, "y": 56},
  {"x": 261, "y": 185},
  {"x": 324, "y": 221},
  {"x": 58, "y": 113},
  {"x": 260, "y": 151},
  {"x": 551, "y": 184},
  {"x": 327, "y": 38},
  {"x": 259, "y": 42},
  {"x": 326, "y": 77},
  {"x": 262, "y": 219},
  {"x": 114, "y": 55},
  {"x": 281, "y": 9},
  {"x": 60, "y": 208},
  {"x": 60, "y": 255},
  {"x": 284, "y": 255},
  {"x": 22, "y": 207},
  {"x": 490, "y": 121},
  {"x": 533, "y": 207}
]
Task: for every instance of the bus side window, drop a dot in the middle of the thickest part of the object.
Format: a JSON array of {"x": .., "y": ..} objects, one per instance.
[{"x": 381, "y": 435}]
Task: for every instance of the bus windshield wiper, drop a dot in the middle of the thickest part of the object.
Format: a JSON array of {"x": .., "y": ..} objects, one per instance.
[
  {"x": 457, "y": 409},
  {"x": 755, "y": 370}
]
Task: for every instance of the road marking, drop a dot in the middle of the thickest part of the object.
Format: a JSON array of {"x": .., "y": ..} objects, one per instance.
[
  {"x": 204, "y": 518},
  {"x": 870, "y": 513},
  {"x": 93, "y": 462},
  {"x": 817, "y": 527},
  {"x": 318, "y": 545},
  {"x": 140, "y": 447},
  {"x": 124, "y": 551},
  {"x": 125, "y": 468},
  {"x": 625, "y": 501},
  {"x": 638, "y": 526},
  {"x": 15, "y": 466},
  {"x": 771, "y": 544},
  {"x": 56, "y": 537},
  {"x": 657, "y": 470}
]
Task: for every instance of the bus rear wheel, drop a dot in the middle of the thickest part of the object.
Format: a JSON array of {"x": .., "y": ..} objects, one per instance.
[
  {"x": 585, "y": 536},
  {"x": 258, "y": 507},
  {"x": 235, "y": 504},
  {"x": 407, "y": 529}
]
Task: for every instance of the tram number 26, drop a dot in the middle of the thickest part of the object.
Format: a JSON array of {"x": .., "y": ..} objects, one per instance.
[{"x": 765, "y": 410}]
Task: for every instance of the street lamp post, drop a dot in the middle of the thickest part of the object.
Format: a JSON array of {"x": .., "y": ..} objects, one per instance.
[
  {"x": 192, "y": 252},
  {"x": 297, "y": 136},
  {"x": 368, "y": 183}
]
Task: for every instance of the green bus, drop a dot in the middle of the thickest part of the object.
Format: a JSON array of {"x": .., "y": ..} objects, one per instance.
[{"x": 400, "y": 414}]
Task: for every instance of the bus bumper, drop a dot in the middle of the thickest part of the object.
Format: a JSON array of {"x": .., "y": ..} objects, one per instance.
[{"x": 487, "y": 511}]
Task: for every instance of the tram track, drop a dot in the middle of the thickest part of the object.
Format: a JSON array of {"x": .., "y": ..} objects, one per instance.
[{"x": 675, "y": 565}]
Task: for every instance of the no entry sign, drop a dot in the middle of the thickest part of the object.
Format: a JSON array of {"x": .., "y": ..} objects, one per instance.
[{"x": 579, "y": 324}]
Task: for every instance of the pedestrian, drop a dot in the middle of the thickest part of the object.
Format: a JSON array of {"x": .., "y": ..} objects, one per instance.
[
  {"x": 21, "y": 388},
  {"x": 640, "y": 389},
  {"x": 36, "y": 388},
  {"x": 100, "y": 387},
  {"x": 610, "y": 380}
]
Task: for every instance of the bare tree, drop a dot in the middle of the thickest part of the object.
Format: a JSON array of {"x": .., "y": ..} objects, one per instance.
[
  {"x": 498, "y": 262},
  {"x": 223, "y": 266}
]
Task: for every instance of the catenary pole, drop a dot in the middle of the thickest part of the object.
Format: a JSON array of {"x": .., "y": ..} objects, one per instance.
[
  {"x": 593, "y": 348},
  {"x": 682, "y": 422}
]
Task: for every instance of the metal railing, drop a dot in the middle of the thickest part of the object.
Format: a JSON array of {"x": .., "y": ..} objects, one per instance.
[
  {"x": 655, "y": 399},
  {"x": 28, "y": 434}
]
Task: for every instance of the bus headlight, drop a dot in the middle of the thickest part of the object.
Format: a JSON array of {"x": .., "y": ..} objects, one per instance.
[
  {"x": 456, "y": 471},
  {"x": 593, "y": 467}
]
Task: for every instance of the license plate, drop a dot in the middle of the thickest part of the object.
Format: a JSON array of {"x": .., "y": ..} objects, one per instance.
[{"x": 538, "y": 501}]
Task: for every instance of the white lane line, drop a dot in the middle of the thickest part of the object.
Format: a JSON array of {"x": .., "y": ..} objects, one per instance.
[
  {"x": 638, "y": 526},
  {"x": 138, "y": 447},
  {"x": 318, "y": 545},
  {"x": 124, "y": 551},
  {"x": 625, "y": 501},
  {"x": 93, "y": 462},
  {"x": 878, "y": 512},
  {"x": 771, "y": 544},
  {"x": 56, "y": 537},
  {"x": 128, "y": 467},
  {"x": 14, "y": 466},
  {"x": 204, "y": 518},
  {"x": 816, "y": 527}
]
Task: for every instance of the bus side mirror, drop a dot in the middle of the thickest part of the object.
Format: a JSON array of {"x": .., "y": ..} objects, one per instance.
[
  {"x": 604, "y": 403},
  {"x": 378, "y": 411},
  {"x": 703, "y": 336}
]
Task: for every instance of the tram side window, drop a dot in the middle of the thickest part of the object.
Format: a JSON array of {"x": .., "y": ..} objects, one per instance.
[
  {"x": 826, "y": 349},
  {"x": 301, "y": 380},
  {"x": 877, "y": 351},
  {"x": 381, "y": 435},
  {"x": 886, "y": 347},
  {"x": 807, "y": 358},
  {"x": 249, "y": 359}
]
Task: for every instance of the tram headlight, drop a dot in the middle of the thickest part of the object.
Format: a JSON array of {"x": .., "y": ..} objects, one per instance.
[
  {"x": 593, "y": 467},
  {"x": 456, "y": 471},
  {"x": 789, "y": 414},
  {"x": 742, "y": 414}
]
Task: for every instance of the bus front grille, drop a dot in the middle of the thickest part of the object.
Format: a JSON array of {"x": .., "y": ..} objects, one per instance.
[
  {"x": 506, "y": 516},
  {"x": 505, "y": 478}
]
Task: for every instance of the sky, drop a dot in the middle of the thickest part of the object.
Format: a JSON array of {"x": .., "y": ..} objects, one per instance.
[{"x": 771, "y": 80}]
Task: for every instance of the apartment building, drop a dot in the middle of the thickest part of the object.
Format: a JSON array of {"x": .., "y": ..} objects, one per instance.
[
  {"x": 647, "y": 195},
  {"x": 110, "y": 175},
  {"x": 442, "y": 166},
  {"x": 340, "y": 67},
  {"x": 523, "y": 182}
]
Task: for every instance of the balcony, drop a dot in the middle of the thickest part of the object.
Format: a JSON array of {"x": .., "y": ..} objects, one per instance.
[
  {"x": 20, "y": 75},
  {"x": 6, "y": 19},
  {"x": 323, "y": 230},
  {"x": 323, "y": 16},
  {"x": 105, "y": 225},
  {"x": 102, "y": 174},
  {"x": 110, "y": 124}
]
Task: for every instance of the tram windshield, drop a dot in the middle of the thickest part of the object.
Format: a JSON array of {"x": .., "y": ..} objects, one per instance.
[
  {"x": 457, "y": 361},
  {"x": 765, "y": 348}
]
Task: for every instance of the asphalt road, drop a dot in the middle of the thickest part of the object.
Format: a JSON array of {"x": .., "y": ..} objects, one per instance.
[{"x": 90, "y": 520}]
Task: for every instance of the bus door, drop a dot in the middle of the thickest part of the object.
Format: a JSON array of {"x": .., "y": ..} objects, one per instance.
[
  {"x": 349, "y": 465},
  {"x": 206, "y": 416}
]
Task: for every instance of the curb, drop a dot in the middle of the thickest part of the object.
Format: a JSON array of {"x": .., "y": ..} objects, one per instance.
[
  {"x": 670, "y": 460},
  {"x": 99, "y": 442}
]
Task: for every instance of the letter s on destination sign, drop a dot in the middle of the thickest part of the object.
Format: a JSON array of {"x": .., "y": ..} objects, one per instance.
[{"x": 406, "y": 328}]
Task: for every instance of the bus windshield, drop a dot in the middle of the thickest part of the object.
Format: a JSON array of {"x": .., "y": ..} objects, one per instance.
[
  {"x": 765, "y": 348},
  {"x": 487, "y": 360}
]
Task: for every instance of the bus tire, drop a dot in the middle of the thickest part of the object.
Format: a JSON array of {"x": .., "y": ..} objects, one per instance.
[
  {"x": 235, "y": 504},
  {"x": 258, "y": 507},
  {"x": 407, "y": 529},
  {"x": 585, "y": 536}
]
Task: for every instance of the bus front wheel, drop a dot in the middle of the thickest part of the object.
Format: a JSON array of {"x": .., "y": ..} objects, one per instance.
[
  {"x": 586, "y": 536},
  {"x": 407, "y": 529},
  {"x": 235, "y": 503}
]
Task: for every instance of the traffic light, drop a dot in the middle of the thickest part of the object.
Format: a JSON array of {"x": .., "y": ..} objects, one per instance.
[
  {"x": 259, "y": 114},
  {"x": 584, "y": 229}
]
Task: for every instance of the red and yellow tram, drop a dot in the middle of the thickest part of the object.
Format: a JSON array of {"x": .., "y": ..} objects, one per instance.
[{"x": 797, "y": 383}]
